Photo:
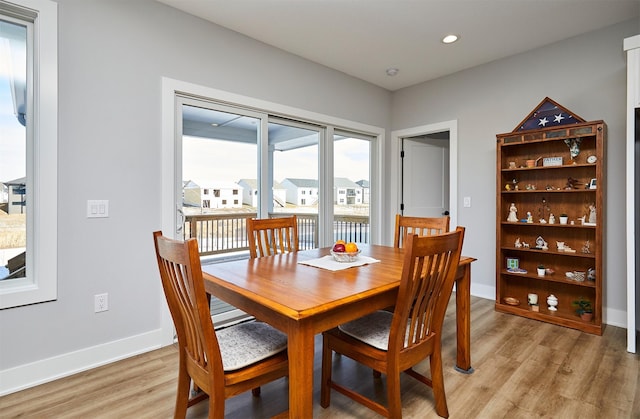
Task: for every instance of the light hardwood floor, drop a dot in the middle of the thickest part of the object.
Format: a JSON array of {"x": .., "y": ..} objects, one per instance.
[{"x": 523, "y": 369}]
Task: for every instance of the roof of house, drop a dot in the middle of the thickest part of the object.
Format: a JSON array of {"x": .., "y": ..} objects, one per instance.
[
  {"x": 302, "y": 183},
  {"x": 343, "y": 182}
]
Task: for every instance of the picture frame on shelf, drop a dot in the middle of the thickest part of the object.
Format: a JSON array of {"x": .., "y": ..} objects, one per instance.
[{"x": 592, "y": 184}]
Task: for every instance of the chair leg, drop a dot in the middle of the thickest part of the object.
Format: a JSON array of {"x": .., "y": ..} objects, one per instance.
[
  {"x": 325, "y": 383},
  {"x": 255, "y": 392},
  {"x": 216, "y": 408},
  {"x": 437, "y": 380},
  {"x": 393, "y": 395},
  {"x": 182, "y": 394}
]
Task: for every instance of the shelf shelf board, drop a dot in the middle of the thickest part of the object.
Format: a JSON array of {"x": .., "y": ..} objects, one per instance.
[
  {"x": 549, "y": 252},
  {"x": 567, "y": 319},
  {"x": 551, "y": 278},
  {"x": 524, "y": 191},
  {"x": 547, "y": 225},
  {"x": 564, "y": 166}
]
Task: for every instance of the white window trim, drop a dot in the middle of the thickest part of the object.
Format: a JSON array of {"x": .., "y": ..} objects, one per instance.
[
  {"x": 171, "y": 87},
  {"x": 42, "y": 257}
]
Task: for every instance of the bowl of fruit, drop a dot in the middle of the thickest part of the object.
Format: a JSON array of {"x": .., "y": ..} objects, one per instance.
[{"x": 345, "y": 252}]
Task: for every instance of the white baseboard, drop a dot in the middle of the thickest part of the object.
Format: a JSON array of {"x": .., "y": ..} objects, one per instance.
[{"x": 40, "y": 372}]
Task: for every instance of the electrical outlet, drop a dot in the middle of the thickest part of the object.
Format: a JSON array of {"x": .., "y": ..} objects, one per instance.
[
  {"x": 467, "y": 202},
  {"x": 101, "y": 302}
]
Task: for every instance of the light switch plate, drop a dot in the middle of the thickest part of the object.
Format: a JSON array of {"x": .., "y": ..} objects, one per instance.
[
  {"x": 97, "y": 208},
  {"x": 467, "y": 202}
]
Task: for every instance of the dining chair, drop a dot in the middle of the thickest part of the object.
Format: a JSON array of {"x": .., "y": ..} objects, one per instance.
[
  {"x": 392, "y": 343},
  {"x": 270, "y": 236},
  {"x": 422, "y": 226},
  {"x": 220, "y": 364}
]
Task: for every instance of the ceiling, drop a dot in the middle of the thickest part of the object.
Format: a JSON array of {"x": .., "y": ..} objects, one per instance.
[{"x": 363, "y": 38}]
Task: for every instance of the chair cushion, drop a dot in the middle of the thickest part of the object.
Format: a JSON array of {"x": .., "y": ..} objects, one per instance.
[
  {"x": 372, "y": 329},
  {"x": 247, "y": 343}
]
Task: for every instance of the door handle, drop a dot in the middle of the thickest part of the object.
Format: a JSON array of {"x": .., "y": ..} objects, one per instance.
[{"x": 179, "y": 221}]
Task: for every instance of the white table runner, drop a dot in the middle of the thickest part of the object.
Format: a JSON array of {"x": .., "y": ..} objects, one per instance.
[{"x": 329, "y": 263}]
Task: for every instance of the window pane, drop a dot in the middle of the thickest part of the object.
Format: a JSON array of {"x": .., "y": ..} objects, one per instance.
[
  {"x": 219, "y": 175},
  {"x": 13, "y": 147},
  {"x": 293, "y": 153},
  {"x": 351, "y": 198}
]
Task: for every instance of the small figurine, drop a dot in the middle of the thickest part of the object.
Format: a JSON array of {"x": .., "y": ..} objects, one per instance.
[
  {"x": 517, "y": 244},
  {"x": 552, "y": 302},
  {"x": 552, "y": 219},
  {"x": 586, "y": 248},
  {"x": 571, "y": 183},
  {"x": 592, "y": 214},
  {"x": 529, "y": 217},
  {"x": 541, "y": 244},
  {"x": 574, "y": 146},
  {"x": 513, "y": 213}
]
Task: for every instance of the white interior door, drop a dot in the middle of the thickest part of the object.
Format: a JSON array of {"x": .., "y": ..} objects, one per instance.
[{"x": 425, "y": 175}]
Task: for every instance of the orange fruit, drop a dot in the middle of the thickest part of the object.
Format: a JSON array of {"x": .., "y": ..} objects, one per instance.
[
  {"x": 340, "y": 242},
  {"x": 350, "y": 247}
]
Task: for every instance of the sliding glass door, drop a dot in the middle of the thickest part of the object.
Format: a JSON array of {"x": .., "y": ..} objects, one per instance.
[{"x": 232, "y": 163}]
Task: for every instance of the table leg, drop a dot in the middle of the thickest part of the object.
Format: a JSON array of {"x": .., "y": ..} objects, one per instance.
[
  {"x": 463, "y": 319},
  {"x": 301, "y": 348}
]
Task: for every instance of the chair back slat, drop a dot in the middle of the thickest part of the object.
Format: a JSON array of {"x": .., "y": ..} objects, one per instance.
[
  {"x": 181, "y": 275},
  {"x": 271, "y": 236},
  {"x": 426, "y": 284},
  {"x": 422, "y": 226}
]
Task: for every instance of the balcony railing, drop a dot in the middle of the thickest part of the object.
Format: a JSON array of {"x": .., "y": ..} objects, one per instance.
[{"x": 224, "y": 233}]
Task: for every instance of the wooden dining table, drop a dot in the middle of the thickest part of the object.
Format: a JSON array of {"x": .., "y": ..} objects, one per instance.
[{"x": 302, "y": 301}]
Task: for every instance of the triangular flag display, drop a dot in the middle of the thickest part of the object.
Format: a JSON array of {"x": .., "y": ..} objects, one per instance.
[{"x": 548, "y": 114}]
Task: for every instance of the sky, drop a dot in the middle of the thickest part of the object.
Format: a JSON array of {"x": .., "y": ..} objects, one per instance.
[
  {"x": 12, "y": 137},
  {"x": 208, "y": 160}
]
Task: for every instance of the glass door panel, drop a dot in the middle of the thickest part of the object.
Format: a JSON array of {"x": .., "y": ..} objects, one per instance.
[
  {"x": 218, "y": 185},
  {"x": 351, "y": 186},
  {"x": 292, "y": 176}
]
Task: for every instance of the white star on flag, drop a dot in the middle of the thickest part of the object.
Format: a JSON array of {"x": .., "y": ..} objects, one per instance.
[
  {"x": 544, "y": 121},
  {"x": 558, "y": 118}
]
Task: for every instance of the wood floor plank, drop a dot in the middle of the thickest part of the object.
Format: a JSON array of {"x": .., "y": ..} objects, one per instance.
[{"x": 523, "y": 369}]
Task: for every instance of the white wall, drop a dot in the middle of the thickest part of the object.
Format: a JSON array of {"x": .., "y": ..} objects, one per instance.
[
  {"x": 587, "y": 75},
  {"x": 112, "y": 57}
]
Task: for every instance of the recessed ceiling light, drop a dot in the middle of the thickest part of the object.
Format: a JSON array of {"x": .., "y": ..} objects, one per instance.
[
  {"x": 450, "y": 39},
  {"x": 392, "y": 71}
]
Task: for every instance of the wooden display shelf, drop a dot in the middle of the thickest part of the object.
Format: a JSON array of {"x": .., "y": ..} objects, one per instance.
[{"x": 574, "y": 155}]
